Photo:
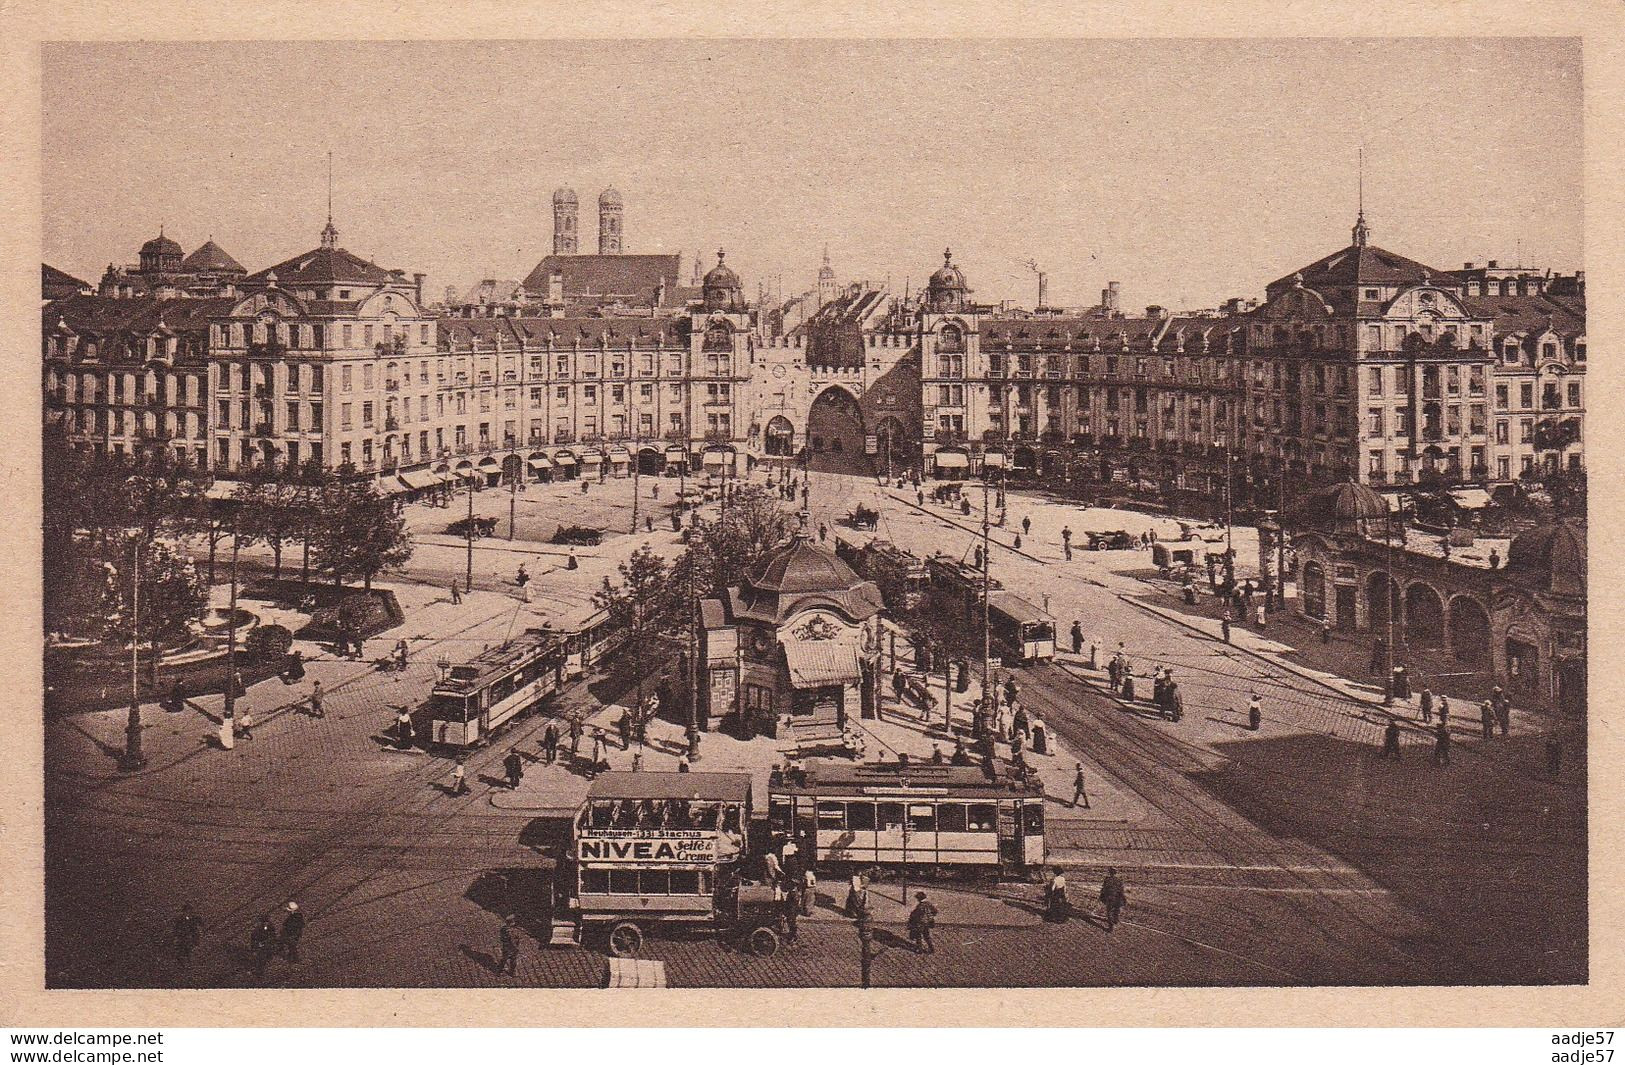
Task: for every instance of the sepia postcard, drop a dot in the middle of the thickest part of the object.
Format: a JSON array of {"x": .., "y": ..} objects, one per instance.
[{"x": 842, "y": 521}]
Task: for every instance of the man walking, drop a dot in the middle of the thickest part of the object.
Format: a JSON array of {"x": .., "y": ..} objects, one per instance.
[
  {"x": 791, "y": 907},
  {"x": 550, "y": 742},
  {"x": 575, "y": 738},
  {"x": 1255, "y": 712},
  {"x": 318, "y": 701},
  {"x": 1486, "y": 720},
  {"x": 1079, "y": 794},
  {"x": 1113, "y": 897},
  {"x": 1441, "y": 744},
  {"x": 509, "y": 947},
  {"x": 456, "y": 594},
  {"x": 1503, "y": 710},
  {"x": 1077, "y": 638},
  {"x": 459, "y": 779},
  {"x": 920, "y": 922},
  {"x": 293, "y": 930},
  {"x": 514, "y": 768},
  {"x": 1224, "y": 625},
  {"x": 1427, "y": 705},
  {"x": 1390, "y": 740}
]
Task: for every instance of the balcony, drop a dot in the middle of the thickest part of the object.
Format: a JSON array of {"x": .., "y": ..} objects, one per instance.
[
  {"x": 563, "y": 437},
  {"x": 951, "y": 436},
  {"x": 389, "y": 464},
  {"x": 676, "y": 434},
  {"x": 391, "y": 425},
  {"x": 270, "y": 349},
  {"x": 717, "y": 436},
  {"x": 392, "y": 386},
  {"x": 262, "y": 429}
]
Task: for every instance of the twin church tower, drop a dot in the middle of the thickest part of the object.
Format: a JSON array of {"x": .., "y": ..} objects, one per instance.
[{"x": 566, "y": 213}]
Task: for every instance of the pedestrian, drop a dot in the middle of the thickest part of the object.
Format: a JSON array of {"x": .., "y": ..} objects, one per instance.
[
  {"x": 1018, "y": 542},
  {"x": 177, "y": 696},
  {"x": 1390, "y": 740},
  {"x": 599, "y": 747},
  {"x": 456, "y": 594},
  {"x": 1503, "y": 710},
  {"x": 1486, "y": 720},
  {"x": 1055, "y": 905},
  {"x": 1554, "y": 756},
  {"x": 790, "y": 907},
  {"x": 1325, "y": 630},
  {"x": 403, "y": 729},
  {"x": 1113, "y": 897},
  {"x": 1114, "y": 672},
  {"x": 1260, "y": 615},
  {"x": 508, "y": 965},
  {"x": 262, "y": 944},
  {"x": 1080, "y": 794},
  {"x": 571, "y": 563},
  {"x": 682, "y": 763},
  {"x": 1027, "y": 525},
  {"x": 318, "y": 701},
  {"x": 1255, "y": 712},
  {"x": 977, "y": 555},
  {"x": 522, "y": 579},
  {"x": 1444, "y": 711},
  {"x": 1040, "y": 736},
  {"x": 1176, "y": 701},
  {"x": 358, "y": 645},
  {"x": 400, "y": 655},
  {"x": 293, "y": 930},
  {"x": 459, "y": 779},
  {"x": 514, "y": 767},
  {"x": 294, "y": 671},
  {"x": 1020, "y": 726},
  {"x": 575, "y": 738},
  {"x": 919, "y": 496},
  {"x": 1441, "y": 744},
  {"x": 245, "y": 724},
  {"x": 186, "y": 932},
  {"x": 1077, "y": 637},
  {"x": 624, "y": 727},
  {"x": 857, "y": 897},
  {"x": 1094, "y": 654},
  {"x": 550, "y": 742},
  {"x": 1010, "y": 692},
  {"x": 1495, "y": 559},
  {"x": 1128, "y": 687},
  {"x": 809, "y": 890},
  {"x": 1224, "y": 625},
  {"x": 1427, "y": 705},
  {"x": 648, "y": 523},
  {"x": 920, "y": 922}
]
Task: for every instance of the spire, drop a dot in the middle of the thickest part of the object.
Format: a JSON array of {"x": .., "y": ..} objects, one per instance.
[
  {"x": 1361, "y": 232},
  {"x": 330, "y": 235}
]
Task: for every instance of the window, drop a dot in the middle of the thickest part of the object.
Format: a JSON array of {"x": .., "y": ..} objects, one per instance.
[
  {"x": 1526, "y": 430},
  {"x": 1374, "y": 380},
  {"x": 366, "y": 377},
  {"x": 950, "y": 817},
  {"x": 366, "y": 336},
  {"x": 1374, "y": 421},
  {"x": 344, "y": 416},
  {"x": 832, "y": 816},
  {"x": 1500, "y": 397},
  {"x": 366, "y": 415},
  {"x": 1503, "y": 468},
  {"x": 860, "y": 816},
  {"x": 981, "y": 817},
  {"x": 293, "y": 414},
  {"x": 1502, "y": 431},
  {"x": 889, "y": 817},
  {"x": 922, "y": 817},
  {"x": 589, "y": 393},
  {"x": 1526, "y": 395},
  {"x": 1574, "y": 393},
  {"x": 347, "y": 335}
]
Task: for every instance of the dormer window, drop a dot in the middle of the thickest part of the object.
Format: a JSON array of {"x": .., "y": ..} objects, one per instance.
[
  {"x": 344, "y": 293},
  {"x": 1373, "y": 294}
]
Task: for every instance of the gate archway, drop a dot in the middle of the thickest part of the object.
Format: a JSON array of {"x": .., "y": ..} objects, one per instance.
[
  {"x": 780, "y": 437},
  {"x": 835, "y": 433}
]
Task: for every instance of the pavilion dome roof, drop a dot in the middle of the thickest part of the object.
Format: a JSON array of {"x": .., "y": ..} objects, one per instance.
[
  {"x": 1343, "y": 503},
  {"x": 1553, "y": 556}
]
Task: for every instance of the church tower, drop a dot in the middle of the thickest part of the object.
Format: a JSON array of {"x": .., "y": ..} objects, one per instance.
[
  {"x": 609, "y": 222},
  {"x": 565, "y": 210},
  {"x": 826, "y": 281}
]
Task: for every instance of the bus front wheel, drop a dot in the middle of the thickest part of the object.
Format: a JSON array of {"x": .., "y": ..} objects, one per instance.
[
  {"x": 625, "y": 940},
  {"x": 763, "y": 942}
]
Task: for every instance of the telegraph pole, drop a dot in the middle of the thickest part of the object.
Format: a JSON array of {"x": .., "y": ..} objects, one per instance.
[
  {"x": 636, "y": 457},
  {"x": 228, "y": 724},
  {"x": 513, "y": 500},
  {"x": 133, "y": 758},
  {"x": 987, "y": 569},
  {"x": 468, "y": 533}
]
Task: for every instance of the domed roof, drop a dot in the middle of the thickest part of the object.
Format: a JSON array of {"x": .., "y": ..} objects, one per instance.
[
  {"x": 160, "y": 245},
  {"x": 1553, "y": 555},
  {"x": 562, "y": 196},
  {"x": 1343, "y": 503},
  {"x": 720, "y": 276},
  {"x": 800, "y": 567},
  {"x": 609, "y": 198},
  {"x": 212, "y": 256},
  {"x": 948, "y": 277}
]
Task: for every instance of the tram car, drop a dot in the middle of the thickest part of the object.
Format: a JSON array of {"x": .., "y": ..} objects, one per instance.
[
  {"x": 1021, "y": 630},
  {"x": 941, "y": 818},
  {"x": 478, "y": 697},
  {"x": 959, "y": 583},
  {"x": 589, "y": 634},
  {"x": 900, "y": 574}
]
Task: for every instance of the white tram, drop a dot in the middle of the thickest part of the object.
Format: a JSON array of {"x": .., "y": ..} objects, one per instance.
[
  {"x": 942, "y": 817},
  {"x": 481, "y": 695},
  {"x": 589, "y": 634}
]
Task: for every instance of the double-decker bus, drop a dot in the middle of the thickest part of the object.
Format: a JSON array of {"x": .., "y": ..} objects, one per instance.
[
  {"x": 914, "y": 815},
  {"x": 481, "y": 695}
]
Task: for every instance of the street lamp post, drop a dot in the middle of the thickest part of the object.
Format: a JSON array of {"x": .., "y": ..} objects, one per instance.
[
  {"x": 228, "y": 722},
  {"x": 468, "y": 533},
  {"x": 133, "y": 758},
  {"x": 1229, "y": 517}
]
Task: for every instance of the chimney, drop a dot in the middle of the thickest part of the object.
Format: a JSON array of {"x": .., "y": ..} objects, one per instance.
[
  {"x": 417, "y": 281},
  {"x": 555, "y": 287},
  {"x": 1466, "y": 266},
  {"x": 1153, "y": 311},
  {"x": 1494, "y": 263}
]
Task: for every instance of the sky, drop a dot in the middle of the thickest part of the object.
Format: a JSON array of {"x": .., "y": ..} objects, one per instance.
[{"x": 1191, "y": 171}]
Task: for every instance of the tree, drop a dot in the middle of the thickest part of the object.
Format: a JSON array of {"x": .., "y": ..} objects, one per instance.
[
  {"x": 271, "y": 508},
  {"x": 754, "y": 523},
  {"x": 156, "y": 492},
  {"x": 358, "y": 532},
  {"x": 640, "y": 606}
]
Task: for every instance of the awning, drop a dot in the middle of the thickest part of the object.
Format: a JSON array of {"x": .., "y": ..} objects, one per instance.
[
  {"x": 679, "y": 454},
  {"x": 716, "y": 458},
  {"x": 619, "y": 454},
  {"x": 820, "y": 663},
  {"x": 565, "y": 459},
  {"x": 489, "y": 462},
  {"x": 951, "y": 460},
  {"x": 416, "y": 479},
  {"x": 1396, "y": 500},
  {"x": 1470, "y": 498},
  {"x": 993, "y": 460},
  {"x": 540, "y": 462},
  {"x": 592, "y": 458},
  {"x": 392, "y": 486}
]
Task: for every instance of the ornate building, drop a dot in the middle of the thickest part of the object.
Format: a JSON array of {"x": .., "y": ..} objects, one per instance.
[
  {"x": 798, "y": 640},
  {"x": 165, "y": 272}
]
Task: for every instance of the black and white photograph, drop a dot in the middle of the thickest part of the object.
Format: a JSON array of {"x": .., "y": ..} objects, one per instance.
[{"x": 769, "y": 514}]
